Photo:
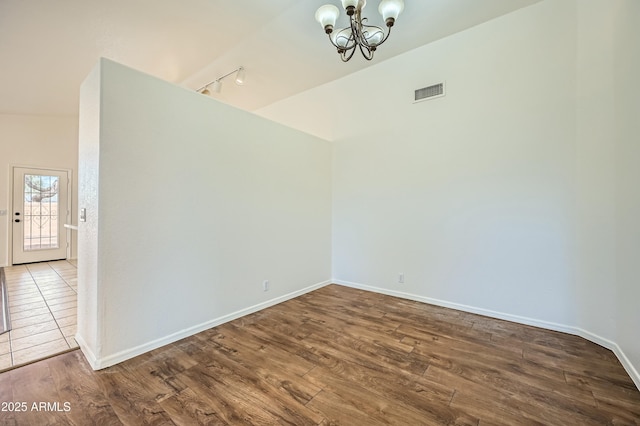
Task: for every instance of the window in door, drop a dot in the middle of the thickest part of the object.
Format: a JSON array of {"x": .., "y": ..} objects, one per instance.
[{"x": 40, "y": 209}]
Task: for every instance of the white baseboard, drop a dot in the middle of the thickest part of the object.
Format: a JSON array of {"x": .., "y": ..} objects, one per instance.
[
  {"x": 613, "y": 346},
  {"x": 87, "y": 352},
  {"x": 109, "y": 360},
  {"x": 460, "y": 307},
  {"x": 626, "y": 363}
]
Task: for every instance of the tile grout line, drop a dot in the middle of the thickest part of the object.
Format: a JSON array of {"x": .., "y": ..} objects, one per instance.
[
  {"x": 7, "y": 314},
  {"x": 75, "y": 291},
  {"x": 13, "y": 361},
  {"x": 47, "y": 304},
  {"x": 34, "y": 281}
]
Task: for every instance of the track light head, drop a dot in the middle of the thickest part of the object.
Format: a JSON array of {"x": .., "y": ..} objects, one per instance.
[
  {"x": 216, "y": 85},
  {"x": 240, "y": 75}
]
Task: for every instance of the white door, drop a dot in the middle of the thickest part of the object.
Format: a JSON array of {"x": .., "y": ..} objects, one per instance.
[{"x": 40, "y": 210}]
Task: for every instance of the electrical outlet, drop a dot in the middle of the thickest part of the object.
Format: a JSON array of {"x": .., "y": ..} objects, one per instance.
[
  {"x": 265, "y": 285},
  {"x": 401, "y": 277}
]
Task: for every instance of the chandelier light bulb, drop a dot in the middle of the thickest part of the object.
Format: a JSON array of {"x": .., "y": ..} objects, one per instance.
[
  {"x": 327, "y": 16},
  {"x": 341, "y": 38},
  {"x": 350, "y": 6},
  {"x": 373, "y": 36},
  {"x": 390, "y": 10}
]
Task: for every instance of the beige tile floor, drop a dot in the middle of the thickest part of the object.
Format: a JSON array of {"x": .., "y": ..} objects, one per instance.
[{"x": 42, "y": 305}]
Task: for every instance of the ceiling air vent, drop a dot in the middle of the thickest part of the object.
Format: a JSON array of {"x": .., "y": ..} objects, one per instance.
[{"x": 434, "y": 91}]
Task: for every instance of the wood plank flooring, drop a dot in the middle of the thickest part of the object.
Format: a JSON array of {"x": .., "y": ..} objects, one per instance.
[{"x": 338, "y": 356}]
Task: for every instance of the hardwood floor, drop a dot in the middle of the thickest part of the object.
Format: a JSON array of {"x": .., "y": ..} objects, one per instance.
[{"x": 339, "y": 356}]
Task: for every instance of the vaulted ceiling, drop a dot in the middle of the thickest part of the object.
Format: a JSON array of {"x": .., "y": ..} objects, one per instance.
[{"x": 47, "y": 47}]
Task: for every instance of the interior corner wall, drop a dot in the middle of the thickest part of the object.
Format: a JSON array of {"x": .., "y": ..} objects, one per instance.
[
  {"x": 38, "y": 141},
  {"x": 596, "y": 280},
  {"x": 627, "y": 92},
  {"x": 607, "y": 195},
  {"x": 515, "y": 195},
  {"x": 193, "y": 206},
  {"x": 470, "y": 195}
]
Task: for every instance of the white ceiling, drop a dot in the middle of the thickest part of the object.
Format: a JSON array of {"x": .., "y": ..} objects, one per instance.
[{"x": 47, "y": 47}]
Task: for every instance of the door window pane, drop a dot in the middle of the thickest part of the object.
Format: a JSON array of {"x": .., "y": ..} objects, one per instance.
[{"x": 40, "y": 212}]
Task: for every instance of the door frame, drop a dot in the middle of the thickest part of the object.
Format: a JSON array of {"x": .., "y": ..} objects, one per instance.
[{"x": 67, "y": 219}]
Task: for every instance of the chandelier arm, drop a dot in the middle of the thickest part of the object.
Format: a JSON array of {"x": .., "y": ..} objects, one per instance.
[
  {"x": 343, "y": 54},
  {"x": 366, "y": 51},
  {"x": 368, "y": 45},
  {"x": 361, "y": 41},
  {"x": 356, "y": 27},
  {"x": 331, "y": 41},
  {"x": 346, "y": 46},
  {"x": 385, "y": 37}
]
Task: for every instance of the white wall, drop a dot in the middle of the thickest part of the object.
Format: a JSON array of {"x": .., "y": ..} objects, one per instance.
[
  {"x": 607, "y": 196},
  {"x": 627, "y": 125},
  {"x": 34, "y": 140},
  {"x": 595, "y": 169},
  {"x": 198, "y": 203},
  {"x": 516, "y": 194},
  {"x": 90, "y": 291},
  {"x": 470, "y": 195}
]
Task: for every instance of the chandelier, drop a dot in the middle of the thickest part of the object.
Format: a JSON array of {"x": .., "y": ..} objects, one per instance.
[{"x": 365, "y": 37}]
